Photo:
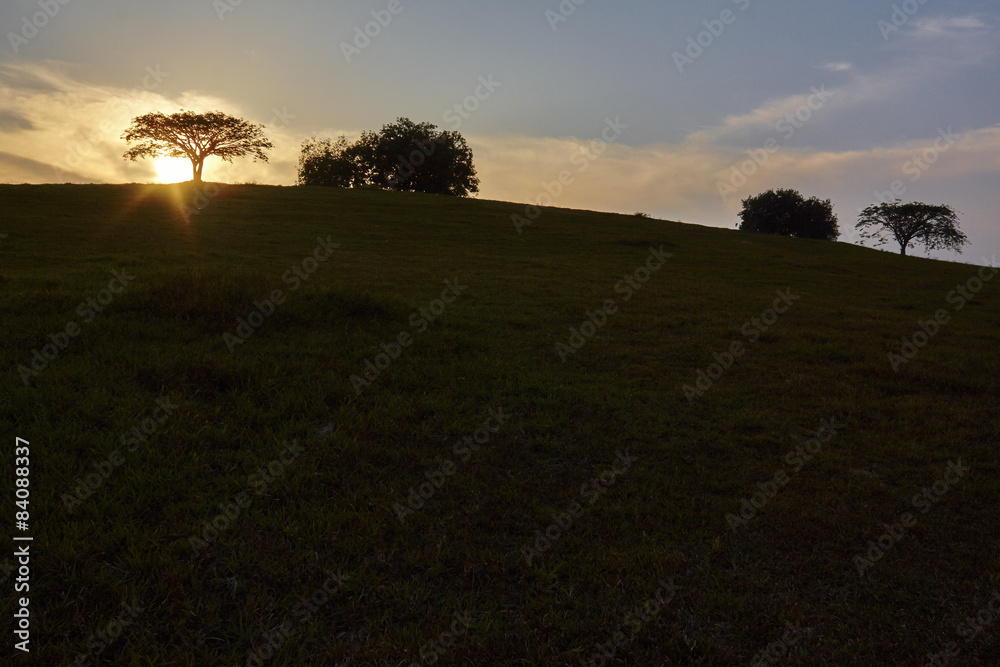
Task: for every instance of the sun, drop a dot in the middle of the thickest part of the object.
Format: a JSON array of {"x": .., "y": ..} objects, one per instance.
[{"x": 172, "y": 169}]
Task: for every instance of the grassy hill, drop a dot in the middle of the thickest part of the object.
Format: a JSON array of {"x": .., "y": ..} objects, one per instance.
[{"x": 328, "y": 427}]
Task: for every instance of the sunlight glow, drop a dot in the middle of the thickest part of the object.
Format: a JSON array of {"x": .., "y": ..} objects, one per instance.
[{"x": 172, "y": 169}]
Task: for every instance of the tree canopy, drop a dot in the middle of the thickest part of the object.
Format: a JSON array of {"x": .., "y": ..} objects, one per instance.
[
  {"x": 195, "y": 136},
  {"x": 407, "y": 156},
  {"x": 932, "y": 225},
  {"x": 331, "y": 163},
  {"x": 788, "y": 213}
]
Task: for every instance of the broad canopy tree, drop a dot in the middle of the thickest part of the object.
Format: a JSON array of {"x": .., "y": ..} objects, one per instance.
[
  {"x": 195, "y": 136},
  {"x": 406, "y": 156},
  {"x": 788, "y": 213},
  {"x": 933, "y": 226}
]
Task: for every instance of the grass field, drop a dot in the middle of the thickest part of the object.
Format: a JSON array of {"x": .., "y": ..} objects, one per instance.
[{"x": 337, "y": 427}]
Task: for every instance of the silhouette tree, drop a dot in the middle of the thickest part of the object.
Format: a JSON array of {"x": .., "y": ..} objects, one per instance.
[
  {"x": 933, "y": 226},
  {"x": 408, "y": 156},
  {"x": 325, "y": 162},
  {"x": 416, "y": 158},
  {"x": 195, "y": 136},
  {"x": 788, "y": 213}
]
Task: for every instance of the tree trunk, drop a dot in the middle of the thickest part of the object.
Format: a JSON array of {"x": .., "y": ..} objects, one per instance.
[
  {"x": 197, "y": 166},
  {"x": 902, "y": 250}
]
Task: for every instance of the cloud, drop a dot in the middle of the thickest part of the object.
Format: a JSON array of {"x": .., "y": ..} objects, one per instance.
[
  {"x": 943, "y": 26},
  {"x": 78, "y": 127},
  {"x": 916, "y": 67},
  {"x": 18, "y": 169},
  {"x": 17, "y": 78},
  {"x": 769, "y": 113},
  {"x": 945, "y": 42},
  {"x": 14, "y": 122},
  {"x": 858, "y": 91}
]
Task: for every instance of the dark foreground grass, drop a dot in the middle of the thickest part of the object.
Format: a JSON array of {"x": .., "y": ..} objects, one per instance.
[{"x": 195, "y": 506}]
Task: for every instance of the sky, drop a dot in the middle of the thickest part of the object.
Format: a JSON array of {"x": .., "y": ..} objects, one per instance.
[{"x": 677, "y": 109}]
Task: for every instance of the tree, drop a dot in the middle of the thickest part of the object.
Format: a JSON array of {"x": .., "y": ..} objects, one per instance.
[
  {"x": 324, "y": 162},
  {"x": 933, "y": 226},
  {"x": 406, "y": 156},
  {"x": 788, "y": 213},
  {"x": 195, "y": 136},
  {"x": 414, "y": 157}
]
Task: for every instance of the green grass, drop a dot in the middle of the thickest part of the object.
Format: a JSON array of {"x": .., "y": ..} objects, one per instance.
[{"x": 329, "y": 509}]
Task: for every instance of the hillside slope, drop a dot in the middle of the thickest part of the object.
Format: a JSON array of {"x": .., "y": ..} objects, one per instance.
[{"x": 329, "y": 427}]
